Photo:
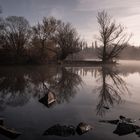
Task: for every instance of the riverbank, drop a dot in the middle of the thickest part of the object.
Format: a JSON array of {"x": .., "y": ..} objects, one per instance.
[
  {"x": 64, "y": 63},
  {"x": 86, "y": 63}
]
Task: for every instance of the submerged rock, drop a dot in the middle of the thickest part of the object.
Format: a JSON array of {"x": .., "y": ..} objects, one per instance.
[
  {"x": 1, "y": 121},
  {"x": 124, "y": 126},
  {"x": 8, "y": 132},
  {"x": 124, "y": 129},
  {"x": 60, "y": 130},
  {"x": 137, "y": 132},
  {"x": 65, "y": 131},
  {"x": 83, "y": 128}
]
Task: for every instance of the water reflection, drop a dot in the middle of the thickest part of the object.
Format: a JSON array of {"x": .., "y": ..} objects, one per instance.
[
  {"x": 111, "y": 88},
  {"x": 67, "y": 85},
  {"x": 13, "y": 86},
  {"x": 18, "y": 85},
  {"x": 36, "y": 88},
  {"x": 111, "y": 84}
]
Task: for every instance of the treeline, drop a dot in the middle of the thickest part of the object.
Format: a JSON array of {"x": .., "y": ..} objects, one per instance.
[
  {"x": 49, "y": 40},
  {"x": 53, "y": 40},
  {"x": 131, "y": 52},
  {"x": 91, "y": 52}
]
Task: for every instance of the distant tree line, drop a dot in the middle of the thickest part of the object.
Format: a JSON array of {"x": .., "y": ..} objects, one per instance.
[
  {"x": 91, "y": 52},
  {"x": 50, "y": 40}
]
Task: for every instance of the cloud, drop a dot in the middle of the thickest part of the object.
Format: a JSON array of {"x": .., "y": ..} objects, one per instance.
[
  {"x": 91, "y": 5},
  {"x": 126, "y": 12},
  {"x": 57, "y": 12},
  {"x": 81, "y": 13}
]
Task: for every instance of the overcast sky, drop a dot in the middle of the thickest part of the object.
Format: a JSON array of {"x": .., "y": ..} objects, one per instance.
[{"x": 81, "y": 13}]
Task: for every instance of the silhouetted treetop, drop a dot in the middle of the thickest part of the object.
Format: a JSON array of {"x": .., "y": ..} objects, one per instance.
[{"x": 112, "y": 37}]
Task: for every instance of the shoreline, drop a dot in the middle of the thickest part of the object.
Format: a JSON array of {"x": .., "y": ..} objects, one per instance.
[
  {"x": 64, "y": 63},
  {"x": 86, "y": 63}
]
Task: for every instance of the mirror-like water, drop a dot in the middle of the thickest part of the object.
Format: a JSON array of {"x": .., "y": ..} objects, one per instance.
[{"x": 80, "y": 94}]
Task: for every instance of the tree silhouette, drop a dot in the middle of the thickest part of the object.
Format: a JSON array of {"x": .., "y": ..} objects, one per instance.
[
  {"x": 43, "y": 33},
  {"x": 14, "y": 36},
  {"x": 112, "y": 37},
  {"x": 68, "y": 41}
]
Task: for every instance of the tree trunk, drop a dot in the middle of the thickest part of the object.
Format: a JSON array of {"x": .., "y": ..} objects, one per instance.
[{"x": 104, "y": 54}]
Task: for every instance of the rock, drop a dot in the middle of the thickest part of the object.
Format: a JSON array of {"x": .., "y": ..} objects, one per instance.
[
  {"x": 8, "y": 132},
  {"x": 124, "y": 129},
  {"x": 124, "y": 126},
  {"x": 137, "y": 131},
  {"x": 60, "y": 130},
  {"x": 1, "y": 121},
  {"x": 49, "y": 99},
  {"x": 83, "y": 128}
]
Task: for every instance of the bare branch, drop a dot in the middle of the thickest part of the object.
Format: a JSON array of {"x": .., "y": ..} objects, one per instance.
[{"x": 112, "y": 37}]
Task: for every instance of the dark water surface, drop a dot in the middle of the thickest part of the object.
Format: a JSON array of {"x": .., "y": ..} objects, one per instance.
[{"x": 82, "y": 95}]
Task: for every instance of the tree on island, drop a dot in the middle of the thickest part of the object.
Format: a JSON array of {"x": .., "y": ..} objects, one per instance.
[
  {"x": 112, "y": 37},
  {"x": 68, "y": 41},
  {"x": 62, "y": 36},
  {"x": 42, "y": 34}
]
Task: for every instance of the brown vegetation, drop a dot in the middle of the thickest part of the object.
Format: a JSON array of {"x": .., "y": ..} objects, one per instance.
[{"x": 47, "y": 41}]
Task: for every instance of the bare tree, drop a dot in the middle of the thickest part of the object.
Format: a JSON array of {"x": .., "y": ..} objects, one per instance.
[
  {"x": 42, "y": 34},
  {"x": 14, "y": 35},
  {"x": 112, "y": 37},
  {"x": 67, "y": 40}
]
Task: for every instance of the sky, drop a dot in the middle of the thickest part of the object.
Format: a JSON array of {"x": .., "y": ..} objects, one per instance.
[{"x": 80, "y": 13}]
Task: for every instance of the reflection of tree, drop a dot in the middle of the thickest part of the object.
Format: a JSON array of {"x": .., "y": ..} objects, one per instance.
[
  {"x": 111, "y": 89},
  {"x": 19, "y": 84},
  {"x": 13, "y": 85},
  {"x": 42, "y": 78},
  {"x": 67, "y": 85}
]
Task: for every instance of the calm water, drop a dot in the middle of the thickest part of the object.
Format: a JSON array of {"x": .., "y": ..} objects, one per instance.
[{"x": 82, "y": 93}]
